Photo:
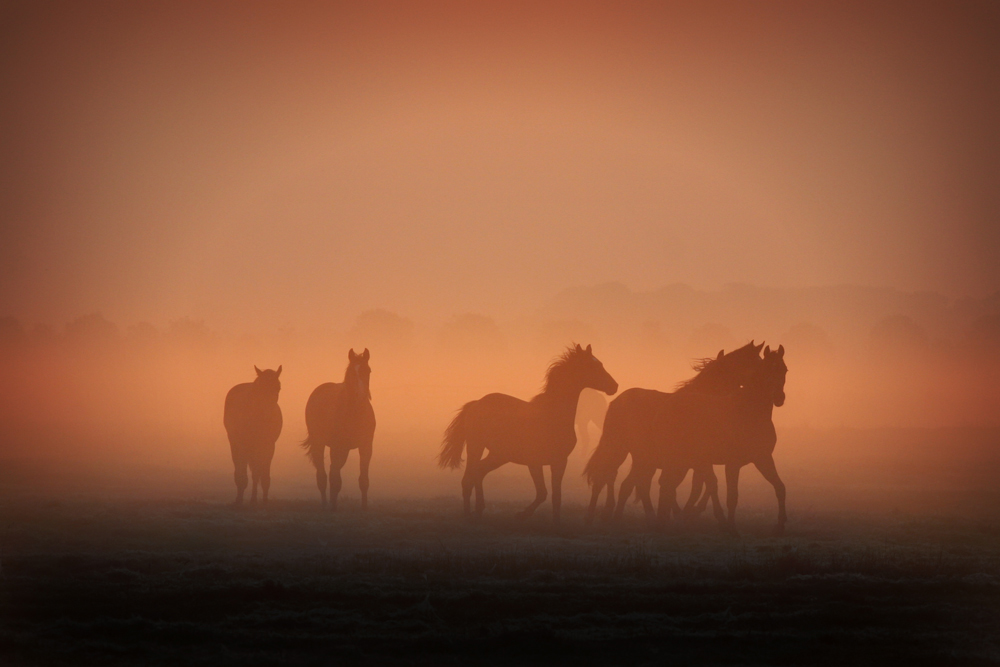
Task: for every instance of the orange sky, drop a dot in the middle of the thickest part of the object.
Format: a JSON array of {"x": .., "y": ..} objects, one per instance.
[{"x": 260, "y": 165}]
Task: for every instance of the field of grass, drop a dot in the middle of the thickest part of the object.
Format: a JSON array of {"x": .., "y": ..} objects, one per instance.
[{"x": 106, "y": 582}]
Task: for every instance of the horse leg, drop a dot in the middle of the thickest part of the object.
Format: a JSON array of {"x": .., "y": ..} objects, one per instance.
[
  {"x": 338, "y": 457},
  {"x": 558, "y": 469},
  {"x": 483, "y": 468},
  {"x": 538, "y": 477},
  {"x": 609, "y": 504},
  {"x": 474, "y": 453},
  {"x": 625, "y": 492},
  {"x": 321, "y": 480},
  {"x": 254, "y": 477},
  {"x": 265, "y": 472},
  {"x": 732, "y": 492},
  {"x": 240, "y": 473},
  {"x": 766, "y": 467},
  {"x": 365, "y": 451},
  {"x": 642, "y": 486},
  {"x": 595, "y": 494},
  {"x": 712, "y": 493},
  {"x": 669, "y": 479},
  {"x": 691, "y": 507}
]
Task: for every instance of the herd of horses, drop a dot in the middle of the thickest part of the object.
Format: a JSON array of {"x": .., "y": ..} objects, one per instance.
[{"x": 721, "y": 416}]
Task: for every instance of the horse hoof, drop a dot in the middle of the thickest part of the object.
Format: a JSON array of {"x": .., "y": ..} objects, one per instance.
[{"x": 522, "y": 515}]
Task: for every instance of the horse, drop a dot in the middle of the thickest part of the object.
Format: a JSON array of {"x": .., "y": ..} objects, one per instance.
[
  {"x": 590, "y": 409},
  {"x": 253, "y": 423},
  {"x": 340, "y": 416},
  {"x": 698, "y": 429},
  {"x": 533, "y": 433},
  {"x": 629, "y": 424}
]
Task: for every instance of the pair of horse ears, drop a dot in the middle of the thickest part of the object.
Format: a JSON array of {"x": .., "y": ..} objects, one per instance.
[
  {"x": 780, "y": 351},
  {"x": 260, "y": 372},
  {"x": 364, "y": 355},
  {"x": 580, "y": 349}
]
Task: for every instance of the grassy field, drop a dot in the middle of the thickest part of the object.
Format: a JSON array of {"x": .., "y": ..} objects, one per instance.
[{"x": 107, "y": 582}]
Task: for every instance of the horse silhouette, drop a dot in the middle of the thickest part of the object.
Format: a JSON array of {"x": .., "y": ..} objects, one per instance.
[
  {"x": 630, "y": 424},
  {"x": 590, "y": 409},
  {"x": 699, "y": 429},
  {"x": 253, "y": 423},
  {"x": 534, "y": 433},
  {"x": 340, "y": 416}
]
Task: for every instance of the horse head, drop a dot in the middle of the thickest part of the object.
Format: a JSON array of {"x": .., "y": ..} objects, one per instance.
[
  {"x": 773, "y": 371},
  {"x": 267, "y": 383},
  {"x": 591, "y": 371},
  {"x": 727, "y": 371},
  {"x": 359, "y": 373}
]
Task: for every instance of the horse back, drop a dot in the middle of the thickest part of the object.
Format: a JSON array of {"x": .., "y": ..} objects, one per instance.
[{"x": 247, "y": 418}]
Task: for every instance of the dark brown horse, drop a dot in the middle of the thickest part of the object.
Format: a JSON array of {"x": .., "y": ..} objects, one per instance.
[
  {"x": 340, "y": 416},
  {"x": 253, "y": 423},
  {"x": 533, "y": 433},
  {"x": 630, "y": 424},
  {"x": 699, "y": 429}
]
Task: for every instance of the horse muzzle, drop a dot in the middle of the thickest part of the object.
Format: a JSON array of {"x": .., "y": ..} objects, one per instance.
[{"x": 779, "y": 400}]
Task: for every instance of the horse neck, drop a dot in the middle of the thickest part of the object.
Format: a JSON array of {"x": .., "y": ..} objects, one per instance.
[
  {"x": 561, "y": 397},
  {"x": 757, "y": 399},
  {"x": 712, "y": 380},
  {"x": 351, "y": 393}
]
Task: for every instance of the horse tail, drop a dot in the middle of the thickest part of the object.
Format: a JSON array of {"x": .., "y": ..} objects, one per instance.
[
  {"x": 454, "y": 441},
  {"x": 609, "y": 453},
  {"x": 314, "y": 450}
]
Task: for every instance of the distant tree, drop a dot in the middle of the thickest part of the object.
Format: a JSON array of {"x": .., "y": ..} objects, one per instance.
[
  {"x": 189, "y": 333},
  {"x": 709, "y": 338},
  {"x": 383, "y": 329},
  {"x": 143, "y": 332},
  {"x": 898, "y": 333},
  {"x": 472, "y": 332},
  {"x": 807, "y": 339},
  {"x": 91, "y": 329}
]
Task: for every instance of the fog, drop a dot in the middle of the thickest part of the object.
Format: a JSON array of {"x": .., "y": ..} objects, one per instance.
[{"x": 189, "y": 191}]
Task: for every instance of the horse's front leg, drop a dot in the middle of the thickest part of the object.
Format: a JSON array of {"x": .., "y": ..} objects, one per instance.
[
  {"x": 766, "y": 467},
  {"x": 558, "y": 469},
  {"x": 338, "y": 457},
  {"x": 365, "y": 451},
  {"x": 470, "y": 479},
  {"x": 538, "y": 477},
  {"x": 732, "y": 492}
]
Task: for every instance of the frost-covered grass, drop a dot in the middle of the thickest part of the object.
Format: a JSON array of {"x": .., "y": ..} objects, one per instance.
[{"x": 410, "y": 582}]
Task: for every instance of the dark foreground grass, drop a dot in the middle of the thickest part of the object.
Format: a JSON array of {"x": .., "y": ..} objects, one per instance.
[{"x": 104, "y": 583}]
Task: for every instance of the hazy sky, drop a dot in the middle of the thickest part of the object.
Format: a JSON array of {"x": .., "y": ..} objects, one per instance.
[{"x": 293, "y": 164}]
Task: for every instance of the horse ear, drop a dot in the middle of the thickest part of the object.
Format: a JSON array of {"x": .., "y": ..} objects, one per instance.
[
  {"x": 578, "y": 348},
  {"x": 259, "y": 372},
  {"x": 366, "y": 355},
  {"x": 781, "y": 350},
  {"x": 589, "y": 350},
  {"x": 759, "y": 346},
  {"x": 351, "y": 355},
  {"x": 767, "y": 350},
  {"x": 278, "y": 373},
  {"x": 722, "y": 353}
]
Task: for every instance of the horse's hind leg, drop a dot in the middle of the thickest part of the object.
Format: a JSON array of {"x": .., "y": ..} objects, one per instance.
[
  {"x": 732, "y": 493},
  {"x": 625, "y": 492},
  {"x": 255, "y": 479},
  {"x": 338, "y": 457},
  {"x": 265, "y": 472},
  {"x": 240, "y": 473},
  {"x": 538, "y": 477},
  {"x": 712, "y": 493},
  {"x": 366, "y": 457},
  {"x": 483, "y": 468},
  {"x": 669, "y": 479},
  {"x": 609, "y": 504}
]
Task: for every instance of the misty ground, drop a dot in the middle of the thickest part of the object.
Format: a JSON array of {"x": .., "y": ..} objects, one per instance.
[{"x": 115, "y": 581}]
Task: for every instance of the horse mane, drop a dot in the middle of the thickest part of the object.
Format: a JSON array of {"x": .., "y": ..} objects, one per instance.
[
  {"x": 711, "y": 369},
  {"x": 556, "y": 372}
]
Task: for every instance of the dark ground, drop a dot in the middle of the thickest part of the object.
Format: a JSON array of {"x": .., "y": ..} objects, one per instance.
[{"x": 171, "y": 582}]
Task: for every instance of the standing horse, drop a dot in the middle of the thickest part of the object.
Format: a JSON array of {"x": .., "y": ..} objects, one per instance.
[
  {"x": 629, "y": 424},
  {"x": 697, "y": 430},
  {"x": 340, "y": 416},
  {"x": 534, "y": 433},
  {"x": 253, "y": 423}
]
